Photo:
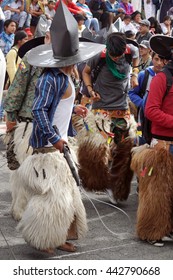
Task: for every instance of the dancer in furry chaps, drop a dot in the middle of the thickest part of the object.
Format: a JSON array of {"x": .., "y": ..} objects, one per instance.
[
  {"x": 54, "y": 201},
  {"x": 153, "y": 168},
  {"x": 104, "y": 166}
]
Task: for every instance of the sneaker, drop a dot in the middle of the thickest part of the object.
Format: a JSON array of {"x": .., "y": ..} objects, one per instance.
[
  {"x": 157, "y": 243},
  {"x": 168, "y": 237}
]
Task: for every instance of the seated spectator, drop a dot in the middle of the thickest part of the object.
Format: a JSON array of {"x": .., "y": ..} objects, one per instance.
[
  {"x": 12, "y": 58},
  {"x": 90, "y": 22},
  {"x": 2, "y": 19},
  {"x": 127, "y": 7},
  {"x": 136, "y": 19},
  {"x": 7, "y": 36},
  {"x": 127, "y": 24},
  {"x": 80, "y": 21},
  {"x": 99, "y": 11},
  {"x": 15, "y": 11},
  {"x": 73, "y": 8},
  {"x": 143, "y": 33},
  {"x": 113, "y": 7},
  {"x": 166, "y": 26},
  {"x": 35, "y": 10},
  {"x": 155, "y": 27},
  {"x": 145, "y": 55},
  {"x": 49, "y": 10}
]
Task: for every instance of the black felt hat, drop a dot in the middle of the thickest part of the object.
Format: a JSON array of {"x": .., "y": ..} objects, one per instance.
[
  {"x": 162, "y": 45},
  {"x": 30, "y": 45},
  {"x": 65, "y": 48}
]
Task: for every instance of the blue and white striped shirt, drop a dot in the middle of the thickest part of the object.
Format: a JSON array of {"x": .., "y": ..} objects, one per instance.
[{"x": 49, "y": 89}]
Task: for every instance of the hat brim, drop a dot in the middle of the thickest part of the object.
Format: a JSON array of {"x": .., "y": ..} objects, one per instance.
[
  {"x": 132, "y": 42},
  {"x": 42, "y": 56},
  {"x": 30, "y": 45},
  {"x": 161, "y": 44}
]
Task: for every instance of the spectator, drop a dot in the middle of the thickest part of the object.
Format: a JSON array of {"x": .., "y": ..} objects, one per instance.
[
  {"x": 166, "y": 26},
  {"x": 113, "y": 7},
  {"x": 7, "y": 36},
  {"x": 90, "y": 22},
  {"x": 2, "y": 19},
  {"x": 12, "y": 58},
  {"x": 99, "y": 11},
  {"x": 127, "y": 7},
  {"x": 73, "y": 8},
  {"x": 155, "y": 27},
  {"x": 143, "y": 33},
  {"x": 35, "y": 11},
  {"x": 145, "y": 55},
  {"x": 136, "y": 19},
  {"x": 80, "y": 21},
  {"x": 15, "y": 11},
  {"x": 137, "y": 96},
  {"x": 49, "y": 10},
  {"x": 127, "y": 24}
]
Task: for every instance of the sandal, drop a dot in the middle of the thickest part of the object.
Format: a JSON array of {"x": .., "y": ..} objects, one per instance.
[{"x": 67, "y": 247}]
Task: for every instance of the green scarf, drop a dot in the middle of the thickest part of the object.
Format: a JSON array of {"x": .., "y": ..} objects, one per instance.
[{"x": 112, "y": 67}]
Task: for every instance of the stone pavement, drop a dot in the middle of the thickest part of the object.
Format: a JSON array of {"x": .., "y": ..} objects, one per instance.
[{"x": 111, "y": 233}]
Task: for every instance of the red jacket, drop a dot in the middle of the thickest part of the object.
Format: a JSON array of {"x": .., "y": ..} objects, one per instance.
[
  {"x": 159, "y": 109},
  {"x": 73, "y": 8}
]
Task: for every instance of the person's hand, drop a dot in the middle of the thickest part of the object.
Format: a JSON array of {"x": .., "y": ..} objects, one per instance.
[
  {"x": 134, "y": 81},
  {"x": 60, "y": 145},
  {"x": 95, "y": 96},
  {"x": 10, "y": 125},
  {"x": 81, "y": 110}
]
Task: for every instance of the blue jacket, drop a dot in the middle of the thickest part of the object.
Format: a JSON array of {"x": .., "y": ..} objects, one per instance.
[
  {"x": 49, "y": 89},
  {"x": 134, "y": 93},
  {"x": 110, "y": 9}
]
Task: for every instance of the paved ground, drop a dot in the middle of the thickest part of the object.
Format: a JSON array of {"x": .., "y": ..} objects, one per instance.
[{"x": 111, "y": 230}]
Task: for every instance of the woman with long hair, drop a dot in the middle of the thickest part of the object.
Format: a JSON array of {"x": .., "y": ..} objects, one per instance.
[
  {"x": 7, "y": 36},
  {"x": 12, "y": 58}
]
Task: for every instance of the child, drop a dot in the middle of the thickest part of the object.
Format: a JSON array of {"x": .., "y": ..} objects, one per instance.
[
  {"x": 50, "y": 10},
  {"x": 80, "y": 20}
]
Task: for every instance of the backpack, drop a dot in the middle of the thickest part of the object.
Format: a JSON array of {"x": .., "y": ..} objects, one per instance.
[{"x": 145, "y": 122}]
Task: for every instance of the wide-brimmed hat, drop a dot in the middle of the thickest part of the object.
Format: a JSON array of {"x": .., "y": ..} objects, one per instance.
[
  {"x": 162, "y": 45},
  {"x": 30, "y": 45},
  {"x": 65, "y": 49}
]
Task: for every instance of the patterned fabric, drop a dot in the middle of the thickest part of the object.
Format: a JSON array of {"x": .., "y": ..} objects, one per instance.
[
  {"x": 8, "y": 40},
  {"x": 20, "y": 96}
]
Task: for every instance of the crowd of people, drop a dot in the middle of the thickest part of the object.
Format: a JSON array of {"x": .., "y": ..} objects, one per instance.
[{"x": 123, "y": 79}]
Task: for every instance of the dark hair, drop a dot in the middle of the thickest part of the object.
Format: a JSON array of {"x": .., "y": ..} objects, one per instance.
[
  {"x": 127, "y": 17},
  {"x": 116, "y": 43},
  {"x": 134, "y": 14},
  {"x": 154, "y": 23},
  {"x": 129, "y": 33},
  {"x": 21, "y": 34},
  {"x": 166, "y": 18},
  {"x": 8, "y": 21}
]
